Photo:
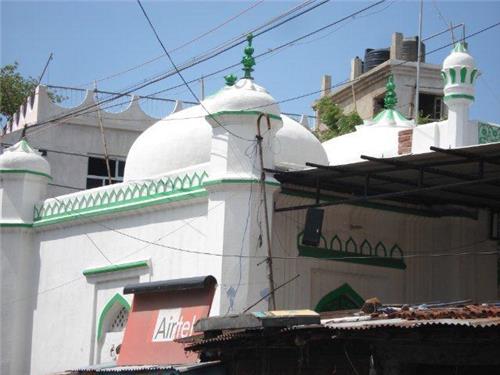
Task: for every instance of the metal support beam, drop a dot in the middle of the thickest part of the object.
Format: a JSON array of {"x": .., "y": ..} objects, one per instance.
[
  {"x": 391, "y": 195},
  {"x": 432, "y": 170}
]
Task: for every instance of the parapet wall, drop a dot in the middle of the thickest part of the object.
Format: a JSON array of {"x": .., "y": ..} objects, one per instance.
[{"x": 39, "y": 108}]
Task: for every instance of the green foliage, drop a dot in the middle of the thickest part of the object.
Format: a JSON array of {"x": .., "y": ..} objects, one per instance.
[
  {"x": 14, "y": 89},
  {"x": 424, "y": 119},
  {"x": 334, "y": 118}
]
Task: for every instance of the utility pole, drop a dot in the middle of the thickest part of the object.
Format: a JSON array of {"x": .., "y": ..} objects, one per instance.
[
  {"x": 103, "y": 136},
  {"x": 266, "y": 214},
  {"x": 419, "y": 58},
  {"x": 202, "y": 82}
]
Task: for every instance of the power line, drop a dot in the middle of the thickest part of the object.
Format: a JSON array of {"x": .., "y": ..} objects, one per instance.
[
  {"x": 182, "y": 77},
  {"x": 229, "y": 20},
  {"x": 169, "y": 74},
  {"x": 212, "y": 56}
]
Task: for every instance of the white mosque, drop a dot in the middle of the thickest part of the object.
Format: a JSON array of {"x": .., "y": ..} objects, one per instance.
[{"x": 191, "y": 204}]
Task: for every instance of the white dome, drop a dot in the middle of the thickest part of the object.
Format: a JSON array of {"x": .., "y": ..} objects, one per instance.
[
  {"x": 294, "y": 145},
  {"x": 244, "y": 95},
  {"x": 22, "y": 156},
  {"x": 459, "y": 57},
  {"x": 179, "y": 141}
]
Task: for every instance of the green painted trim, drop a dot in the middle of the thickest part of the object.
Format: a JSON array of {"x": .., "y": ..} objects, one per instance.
[
  {"x": 16, "y": 225},
  {"x": 444, "y": 77},
  {"x": 344, "y": 290},
  {"x": 222, "y": 181},
  {"x": 453, "y": 75},
  {"x": 244, "y": 113},
  {"x": 115, "y": 268},
  {"x": 349, "y": 251},
  {"x": 473, "y": 75},
  {"x": 185, "y": 195},
  {"x": 488, "y": 133},
  {"x": 463, "y": 74},
  {"x": 458, "y": 96},
  {"x": 343, "y": 256},
  {"x": 28, "y": 171},
  {"x": 127, "y": 196},
  {"x": 117, "y": 298}
]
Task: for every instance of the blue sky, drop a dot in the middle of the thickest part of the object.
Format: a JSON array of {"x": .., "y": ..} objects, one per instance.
[{"x": 91, "y": 40}]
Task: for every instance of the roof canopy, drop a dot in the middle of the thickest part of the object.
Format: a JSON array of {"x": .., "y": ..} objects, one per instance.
[{"x": 468, "y": 177}]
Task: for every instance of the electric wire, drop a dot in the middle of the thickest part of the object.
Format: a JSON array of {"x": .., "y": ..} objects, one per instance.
[
  {"x": 203, "y": 60},
  {"x": 345, "y": 82},
  {"x": 295, "y": 8},
  {"x": 182, "y": 77}
]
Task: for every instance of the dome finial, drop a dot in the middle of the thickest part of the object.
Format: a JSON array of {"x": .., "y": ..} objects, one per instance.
[
  {"x": 230, "y": 79},
  {"x": 390, "y": 99},
  {"x": 248, "y": 61}
]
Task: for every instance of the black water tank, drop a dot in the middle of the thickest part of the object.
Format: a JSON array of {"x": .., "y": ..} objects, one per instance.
[
  {"x": 409, "y": 49},
  {"x": 374, "y": 57}
]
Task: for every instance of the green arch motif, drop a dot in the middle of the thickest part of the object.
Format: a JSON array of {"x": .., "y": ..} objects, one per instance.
[
  {"x": 301, "y": 235},
  {"x": 117, "y": 298},
  {"x": 463, "y": 74},
  {"x": 342, "y": 298},
  {"x": 396, "y": 250},
  {"x": 443, "y": 76},
  {"x": 365, "y": 248},
  {"x": 453, "y": 75},
  {"x": 336, "y": 243},
  {"x": 380, "y": 247},
  {"x": 473, "y": 75},
  {"x": 350, "y": 244}
]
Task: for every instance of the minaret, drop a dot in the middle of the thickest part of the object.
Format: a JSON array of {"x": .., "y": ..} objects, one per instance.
[
  {"x": 24, "y": 176},
  {"x": 237, "y": 226},
  {"x": 459, "y": 74}
]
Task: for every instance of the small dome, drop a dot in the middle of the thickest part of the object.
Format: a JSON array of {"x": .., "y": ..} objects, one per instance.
[
  {"x": 459, "y": 57},
  {"x": 22, "y": 156},
  {"x": 178, "y": 141},
  {"x": 294, "y": 145},
  {"x": 244, "y": 95}
]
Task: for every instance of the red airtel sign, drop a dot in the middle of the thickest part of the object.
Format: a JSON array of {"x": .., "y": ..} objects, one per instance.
[{"x": 161, "y": 315}]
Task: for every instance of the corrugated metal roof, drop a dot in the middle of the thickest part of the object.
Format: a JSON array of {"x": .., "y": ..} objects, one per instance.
[
  {"x": 404, "y": 323},
  {"x": 406, "y": 317},
  {"x": 112, "y": 368}
]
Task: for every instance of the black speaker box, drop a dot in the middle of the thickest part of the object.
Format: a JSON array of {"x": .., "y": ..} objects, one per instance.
[{"x": 312, "y": 231}]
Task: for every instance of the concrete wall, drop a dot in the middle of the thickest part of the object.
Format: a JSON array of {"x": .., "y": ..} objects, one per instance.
[
  {"x": 362, "y": 95},
  {"x": 443, "y": 278}
]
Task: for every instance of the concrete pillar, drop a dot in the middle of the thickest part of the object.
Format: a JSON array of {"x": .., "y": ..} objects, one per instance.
[
  {"x": 396, "y": 44},
  {"x": 356, "y": 67},
  {"x": 326, "y": 84}
]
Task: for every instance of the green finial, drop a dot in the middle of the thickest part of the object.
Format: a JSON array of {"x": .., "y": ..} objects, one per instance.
[
  {"x": 390, "y": 99},
  {"x": 230, "y": 79},
  {"x": 460, "y": 47},
  {"x": 248, "y": 61}
]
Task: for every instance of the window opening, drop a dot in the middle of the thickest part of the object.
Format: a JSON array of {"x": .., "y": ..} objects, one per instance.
[{"x": 97, "y": 174}]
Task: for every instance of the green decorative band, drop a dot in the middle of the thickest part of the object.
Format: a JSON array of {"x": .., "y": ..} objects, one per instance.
[
  {"x": 116, "y": 267},
  {"x": 117, "y": 299},
  {"x": 458, "y": 96},
  {"x": 244, "y": 113},
  {"x": 239, "y": 181},
  {"x": 488, "y": 133},
  {"x": 110, "y": 209},
  {"x": 16, "y": 225},
  {"x": 352, "y": 252},
  {"x": 130, "y": 197},
  {"x": 125, "y": 196},
  {"x": 28, "y": 171}
]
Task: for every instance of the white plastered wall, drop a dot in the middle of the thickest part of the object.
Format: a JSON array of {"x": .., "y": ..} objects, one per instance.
[{"x": 425, "y": 279}]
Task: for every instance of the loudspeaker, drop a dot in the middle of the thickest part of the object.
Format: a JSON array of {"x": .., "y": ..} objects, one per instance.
[{"x": 312, "y": 231}]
